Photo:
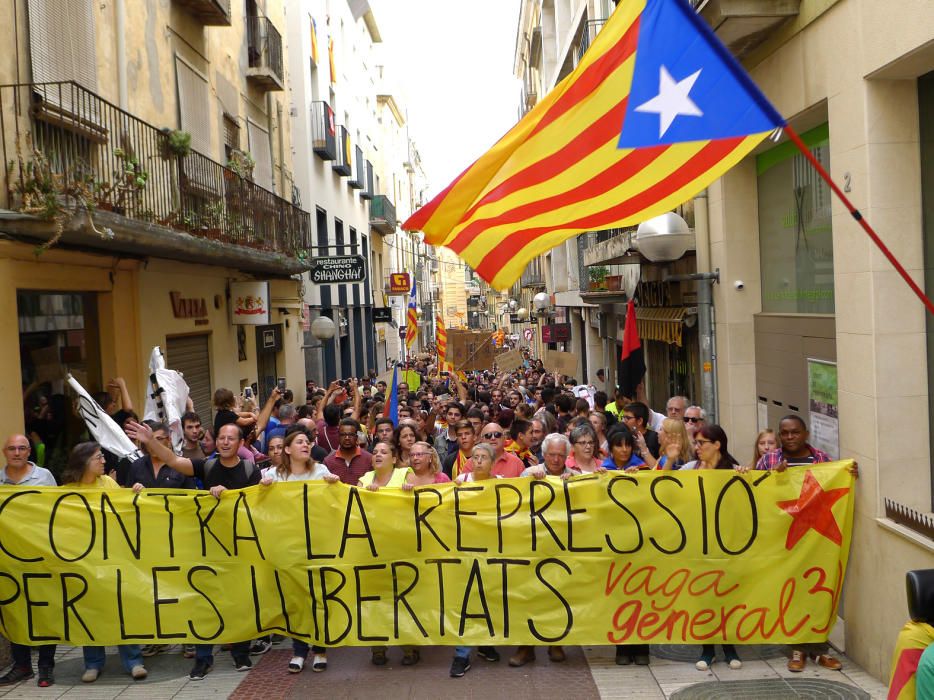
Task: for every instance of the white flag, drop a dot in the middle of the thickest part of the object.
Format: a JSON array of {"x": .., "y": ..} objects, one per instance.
[
  {"x": 173, "y": 395},
  {"x": 104, "y": 428}
]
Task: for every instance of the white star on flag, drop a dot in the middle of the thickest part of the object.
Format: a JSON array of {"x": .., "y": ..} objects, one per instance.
[{"x": 672, "y": 100}]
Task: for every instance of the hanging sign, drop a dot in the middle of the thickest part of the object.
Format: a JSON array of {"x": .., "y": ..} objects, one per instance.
[
  {"x": 338, "y": 268},
  {"x": 249, "y": 303}
]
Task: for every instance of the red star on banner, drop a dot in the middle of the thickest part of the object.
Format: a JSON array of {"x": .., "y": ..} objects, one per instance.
[{"x": 813, "y": 511}]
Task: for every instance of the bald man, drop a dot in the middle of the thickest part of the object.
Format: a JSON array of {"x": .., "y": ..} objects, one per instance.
[
  {"x": 506, "y": 464},
  {"x": 19, "y": 471}
]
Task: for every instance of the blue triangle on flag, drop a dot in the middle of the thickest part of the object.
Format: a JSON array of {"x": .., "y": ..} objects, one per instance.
[{"x": 686, "y": 86}]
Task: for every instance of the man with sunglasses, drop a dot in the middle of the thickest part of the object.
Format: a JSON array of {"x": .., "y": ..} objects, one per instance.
[
  {"x": 505, "y": 464},
  {"x": 695, "y": 418}
]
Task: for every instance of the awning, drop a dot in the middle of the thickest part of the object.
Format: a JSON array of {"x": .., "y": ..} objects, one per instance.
[{"x": 661, "y": 323}]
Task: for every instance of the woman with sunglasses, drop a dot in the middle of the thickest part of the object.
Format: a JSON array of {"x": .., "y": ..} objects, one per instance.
[
  {"x": 712, "y": 453},
  {"x": 426, "y": 467},
  {"x": 85, "y": 470}
]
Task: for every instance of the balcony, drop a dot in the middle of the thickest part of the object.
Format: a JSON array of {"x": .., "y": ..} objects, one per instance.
[
  {"x": 368, "y": 177},
  {"x": 358, "y": 179},
  {"x": 744, "y": 24},
  {"x": 382, "y": 215},
  {"x": 323, "y": 132},
  {"x": 342, "y": 164},
  {"x": 264, "y": 53},
  {"x": 211, "y": 13},
  {"x": 86, "y": 173},
  {"x": 591, "y": 29}
]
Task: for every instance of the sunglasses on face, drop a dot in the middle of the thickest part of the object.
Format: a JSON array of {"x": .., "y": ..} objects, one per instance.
[
  {"x": 692, "y": 419},
  {"x": 492, "y": 436}
]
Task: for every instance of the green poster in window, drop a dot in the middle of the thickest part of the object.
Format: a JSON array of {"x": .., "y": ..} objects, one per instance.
[
  {"x": 795, "y": 231},
  {"x": 822, "y": 405}
]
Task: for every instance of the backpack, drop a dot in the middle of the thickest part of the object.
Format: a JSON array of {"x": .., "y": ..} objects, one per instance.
[{"x": 214, "y": 461}]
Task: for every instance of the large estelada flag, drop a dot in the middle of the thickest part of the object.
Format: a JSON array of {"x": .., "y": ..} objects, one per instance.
[
  {"x": 656, "y": 110},
  {"x": 632, "y": 364},
  {"x": 411, "y": 319}
]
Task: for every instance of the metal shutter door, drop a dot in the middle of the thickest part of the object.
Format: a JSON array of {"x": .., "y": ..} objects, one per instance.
[
  {"x": 259, "y": 149},
  {"x": 189, "y": 355},
  {"x": 61, "y": 42},
  {"x": 194, "y": 106}
]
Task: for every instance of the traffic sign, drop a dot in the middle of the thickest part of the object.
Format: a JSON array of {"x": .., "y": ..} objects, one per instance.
[{"x": 528, "y": 333}]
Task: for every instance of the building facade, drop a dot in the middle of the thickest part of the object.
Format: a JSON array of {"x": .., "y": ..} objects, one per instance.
[{"x": 150, "y": 176}]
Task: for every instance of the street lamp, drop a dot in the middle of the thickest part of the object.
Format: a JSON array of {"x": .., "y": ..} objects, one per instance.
[
  {"x": 523, "y": 314},
  {"x": 323, "y": 328},
  {"x": 541, "y": 301}
]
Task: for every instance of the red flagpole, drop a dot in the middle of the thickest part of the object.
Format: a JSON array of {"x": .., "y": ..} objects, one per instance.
[{"x": 855, "y": 213}]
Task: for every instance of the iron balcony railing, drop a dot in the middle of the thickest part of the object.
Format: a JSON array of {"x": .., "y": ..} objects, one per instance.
[
  {"x": 591, "y": 29},
  {"x": 382, "y": 214},
  {"x": 358, "y": 180},
  {"x": 264, "y": 49},
  {"x": 63, "y": 142},
  {"x": 342, "y": 163},
  {"x": 323, "y": 131},
  {"x": 368, "y": 179}
]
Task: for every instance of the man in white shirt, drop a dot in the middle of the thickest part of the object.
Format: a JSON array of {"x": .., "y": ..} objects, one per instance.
[{"x": 19, "y": 471}]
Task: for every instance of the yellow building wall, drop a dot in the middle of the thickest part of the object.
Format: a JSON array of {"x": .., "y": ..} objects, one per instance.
[{"x": 114, "y": 281}]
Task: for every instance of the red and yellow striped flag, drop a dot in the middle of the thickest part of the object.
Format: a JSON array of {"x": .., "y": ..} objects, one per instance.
[
  {"x": 441, "y": 340},
  {"x": 411, "y": 319},
  {"x": 656, "y": 110}
]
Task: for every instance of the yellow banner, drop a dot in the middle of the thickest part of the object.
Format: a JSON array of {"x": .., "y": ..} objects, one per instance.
[{"x": 683, "y": 557}]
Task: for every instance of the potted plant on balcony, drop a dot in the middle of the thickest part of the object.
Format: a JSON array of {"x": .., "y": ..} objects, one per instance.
[
  {"x": 212, "y": 221},
  {"x": 242, "y": 163},
  {"x": 175, "y": 144},
  {"x": 597, "y": 274}
]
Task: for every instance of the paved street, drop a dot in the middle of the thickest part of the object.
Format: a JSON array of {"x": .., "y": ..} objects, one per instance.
[{"x": 589, "y": 672}]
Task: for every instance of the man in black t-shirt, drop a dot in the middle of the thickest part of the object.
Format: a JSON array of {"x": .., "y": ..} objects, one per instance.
[{"x": 218, "y": 474}]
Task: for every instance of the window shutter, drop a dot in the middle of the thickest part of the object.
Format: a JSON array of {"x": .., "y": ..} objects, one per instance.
[
  {"x": 62, "y": 43},
  {"x": 194, "y": 106},
  {"x": 259, "y": 149}
]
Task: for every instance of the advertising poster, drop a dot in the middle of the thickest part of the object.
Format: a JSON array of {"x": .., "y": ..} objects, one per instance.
[{"x": 822, "y": 403}]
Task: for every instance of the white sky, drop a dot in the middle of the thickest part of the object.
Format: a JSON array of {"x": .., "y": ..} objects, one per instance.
[{"x": 453, "y": 61}]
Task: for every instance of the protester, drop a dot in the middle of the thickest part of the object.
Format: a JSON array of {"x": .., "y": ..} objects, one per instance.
[
  {"x": 385, "y": 473},
  {"x": 218, "y": 474},
  {"x": 555, "y": 448},
  {"x": 426, "y": 468},
  {"x": 466, "y": 439},
  {"x": 583, "y": 459},
  {"x": 85, "y": 469},
  {"x": 348, "y": 461},
  {"x": 622, "y": 456},
  {"x": 405, "y": 436},
  {"x": 674, "y": 444}
]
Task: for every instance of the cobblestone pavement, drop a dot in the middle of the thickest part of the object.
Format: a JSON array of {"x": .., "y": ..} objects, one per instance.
[{"x": 589, "y": 672}]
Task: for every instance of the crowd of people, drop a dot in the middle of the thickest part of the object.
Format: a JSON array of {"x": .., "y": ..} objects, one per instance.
[{"x": 525, "y": 424}]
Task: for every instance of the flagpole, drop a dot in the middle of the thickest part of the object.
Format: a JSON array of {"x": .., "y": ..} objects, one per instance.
[{"x": 855, "y": 213}]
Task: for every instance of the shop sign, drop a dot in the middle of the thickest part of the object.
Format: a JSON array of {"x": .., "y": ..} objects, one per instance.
[
  {"x": 556, "y": 332},
  {"x": 249, "y": 303},
  {"x": 514, "y": 318},
  {"x": 400, "y": 283},
  {"x": 188, "y": 308},
  {"x": 402, "y": 332},
  {"x": 382, "y": 315},
  {"x": 338, "y": 268}
]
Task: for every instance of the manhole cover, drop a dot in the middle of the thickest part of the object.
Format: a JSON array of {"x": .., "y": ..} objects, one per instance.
[
  {"x": 687, "y": 652},
  {"x": 772, "y": 689}
]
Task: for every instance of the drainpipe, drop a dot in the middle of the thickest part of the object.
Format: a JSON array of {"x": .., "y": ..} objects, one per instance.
[
  {"x": 120, "y": 12},
  {"x": 706, "y": 326}
]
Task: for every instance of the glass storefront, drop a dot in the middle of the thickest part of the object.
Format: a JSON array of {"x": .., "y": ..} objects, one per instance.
[{"x": 795, "y": 231}]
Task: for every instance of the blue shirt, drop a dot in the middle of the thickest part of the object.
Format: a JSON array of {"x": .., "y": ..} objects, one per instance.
[{"x": 634, "y": 461}]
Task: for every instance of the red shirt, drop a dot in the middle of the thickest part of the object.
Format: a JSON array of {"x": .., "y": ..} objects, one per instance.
[
  {"x": 351, "y": 470},
  {"x": 507, "y": 466}
]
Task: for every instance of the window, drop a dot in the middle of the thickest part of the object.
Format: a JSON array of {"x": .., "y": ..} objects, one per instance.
[
  {"x": 259, "y": 149},
  {"x": 231, "y": 136},
  {"x": 62, "y": 42},
  {"x": 194, "y": 105},
  {"x": 795, "y": 230}
]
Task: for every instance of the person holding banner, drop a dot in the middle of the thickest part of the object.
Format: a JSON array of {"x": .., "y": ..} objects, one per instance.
[
  {"x": 85, "y": 470},
  {"x": 19, "y": 471},
  {"x": 622, "y": 455},
  {"x": 555, "y": 450},
  {"x": 674, "y": 446},
  {"x": 225, "y": 472},
  {"x": 385, "y": 473},
  {"x": 426, "y": 468},
  {"x": 583, "y": 448}
]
